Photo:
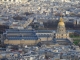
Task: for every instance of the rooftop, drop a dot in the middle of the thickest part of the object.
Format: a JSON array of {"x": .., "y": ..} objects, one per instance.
[{"x": 22, "y": 38}]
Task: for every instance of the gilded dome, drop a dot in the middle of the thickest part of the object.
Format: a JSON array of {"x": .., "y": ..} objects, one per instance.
[{"x": 61, "y": 23}]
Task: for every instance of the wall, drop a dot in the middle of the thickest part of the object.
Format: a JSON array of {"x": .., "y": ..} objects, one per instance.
[{"x": 17, "y": 42}]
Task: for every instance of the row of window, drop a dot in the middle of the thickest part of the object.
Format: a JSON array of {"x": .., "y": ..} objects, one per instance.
[{"x": 44, "y": 35}]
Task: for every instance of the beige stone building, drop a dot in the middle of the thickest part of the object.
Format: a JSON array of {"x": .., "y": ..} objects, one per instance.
[
  {"x": 26, "y": 37},
  {"x": 61, "y": 30},
  {"x": 20, "y": 37},
  {"x": 62, "y": 36}
]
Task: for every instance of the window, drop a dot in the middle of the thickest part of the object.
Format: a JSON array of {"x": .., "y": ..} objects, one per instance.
[
  {"x": 9, "y": 0},
  {"x": 4, "y": 0},
  {"x": 13, "y": 0}
]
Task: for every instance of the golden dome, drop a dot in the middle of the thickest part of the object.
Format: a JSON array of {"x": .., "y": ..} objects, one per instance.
[{"x": 61, "y": 22}]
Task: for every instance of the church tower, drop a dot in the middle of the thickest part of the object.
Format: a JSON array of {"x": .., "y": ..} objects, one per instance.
[{"x": 61, "y": 30}]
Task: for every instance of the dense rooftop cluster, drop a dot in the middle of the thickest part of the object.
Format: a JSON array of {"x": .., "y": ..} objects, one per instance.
[{"x": 42, "y": 53}]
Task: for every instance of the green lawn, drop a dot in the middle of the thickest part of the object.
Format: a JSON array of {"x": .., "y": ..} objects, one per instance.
[
  {"x": 72, "y": 36},
  {"x": 76, "y": 41}
]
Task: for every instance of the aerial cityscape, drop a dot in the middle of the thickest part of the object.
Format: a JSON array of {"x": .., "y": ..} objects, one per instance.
[{"x": 39, "y": 29}]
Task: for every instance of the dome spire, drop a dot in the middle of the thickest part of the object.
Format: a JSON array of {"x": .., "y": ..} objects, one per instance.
[
  {"x": 61, "y": 19},
  {"x": 61, "y": 22}
]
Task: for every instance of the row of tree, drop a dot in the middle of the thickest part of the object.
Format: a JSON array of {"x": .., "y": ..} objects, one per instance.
[{"x": 54, "y": 24}]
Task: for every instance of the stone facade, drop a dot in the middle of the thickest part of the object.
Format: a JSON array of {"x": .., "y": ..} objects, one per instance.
[{"x": 21, "y": 42}]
